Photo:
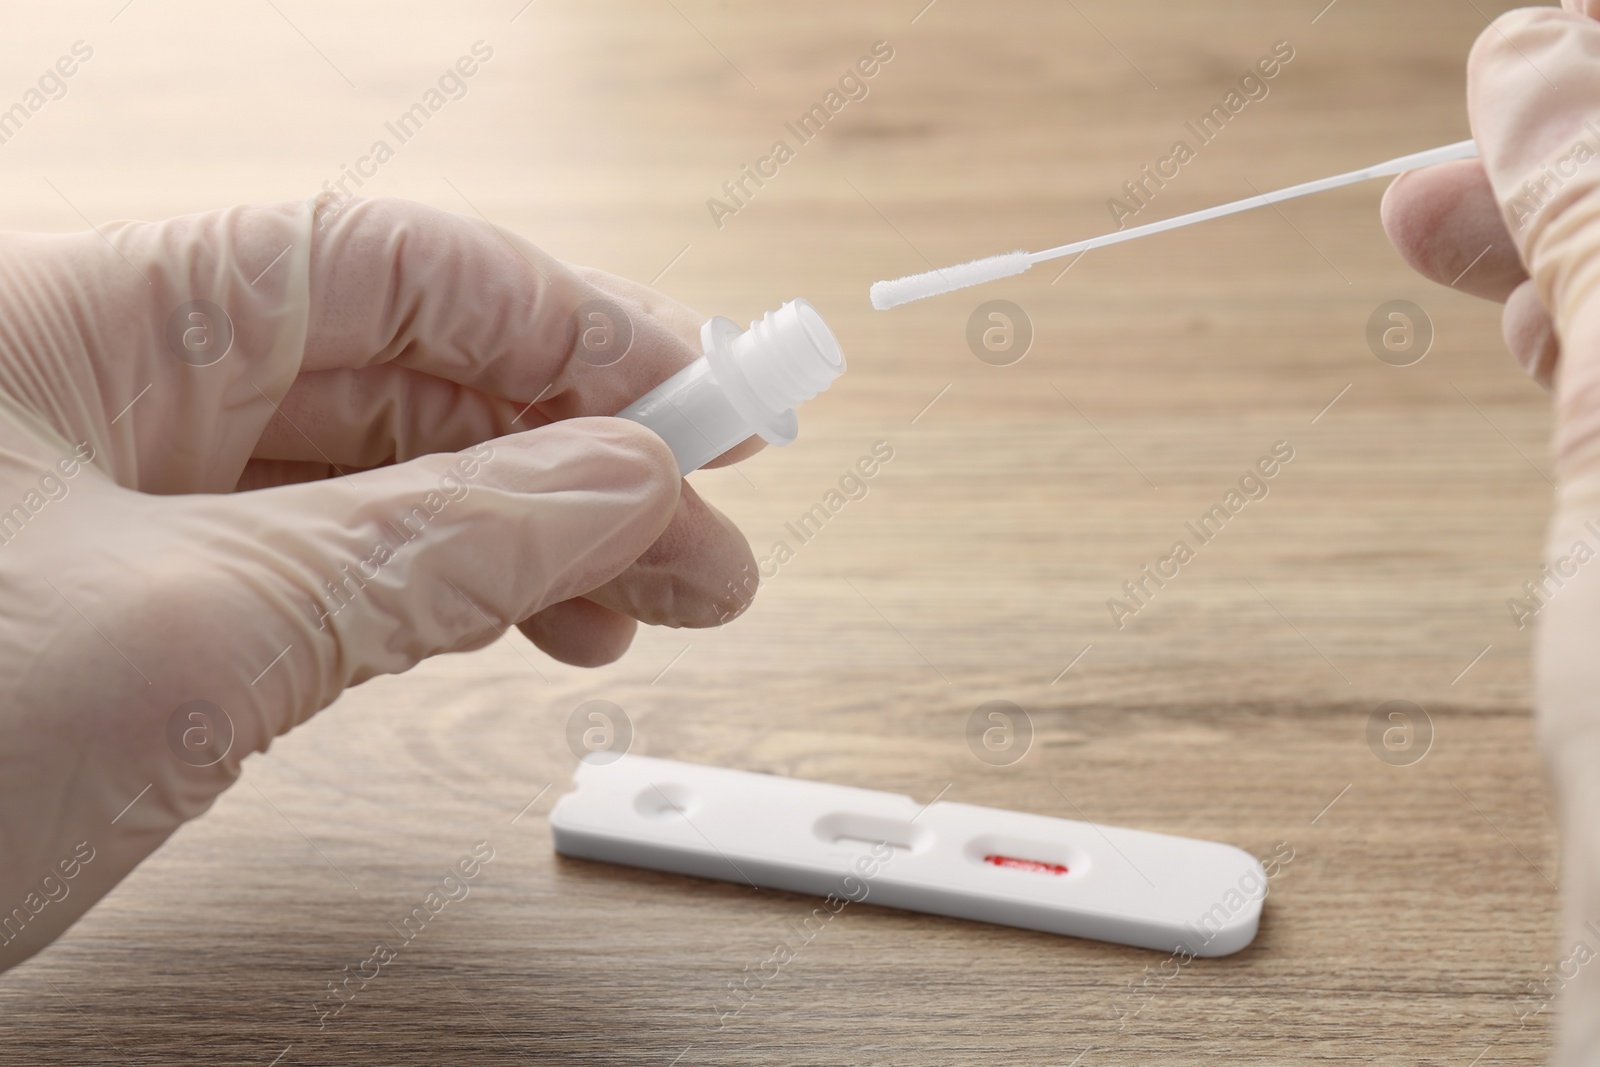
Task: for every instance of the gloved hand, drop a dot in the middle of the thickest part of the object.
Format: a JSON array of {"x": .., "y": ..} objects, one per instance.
[
  {"x": 252, "y": 457},
  {"x": 1533, "y": 95}
]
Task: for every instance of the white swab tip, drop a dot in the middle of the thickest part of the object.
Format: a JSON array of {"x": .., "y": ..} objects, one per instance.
[{"x": 888, "y": 294}]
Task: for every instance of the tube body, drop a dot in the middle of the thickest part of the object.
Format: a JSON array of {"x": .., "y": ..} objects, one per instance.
[{"x": 692, "y": 414}]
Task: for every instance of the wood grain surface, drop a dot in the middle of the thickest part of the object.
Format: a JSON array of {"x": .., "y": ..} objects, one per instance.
[{"x": 1419, "y": 903}]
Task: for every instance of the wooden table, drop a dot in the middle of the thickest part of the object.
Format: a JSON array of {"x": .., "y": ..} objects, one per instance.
[{"x": 1419, "y": 902}]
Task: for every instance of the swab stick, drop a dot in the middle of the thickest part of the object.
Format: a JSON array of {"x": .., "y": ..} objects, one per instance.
[{"x": 888, "y": 294}]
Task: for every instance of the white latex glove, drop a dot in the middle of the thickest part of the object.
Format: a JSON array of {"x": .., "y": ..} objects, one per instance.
[
  {"x": 1534, "y": 98},
  {"x": 401, "y": 412}
]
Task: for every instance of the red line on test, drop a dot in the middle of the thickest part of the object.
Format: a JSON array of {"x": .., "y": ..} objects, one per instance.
[{"x": 1025, "y": 865}]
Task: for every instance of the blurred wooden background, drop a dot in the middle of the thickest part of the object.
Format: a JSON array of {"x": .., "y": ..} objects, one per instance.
[{"x": 1419, "y": 903}]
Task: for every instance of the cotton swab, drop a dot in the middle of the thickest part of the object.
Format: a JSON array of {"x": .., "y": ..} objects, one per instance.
[{"x": 888, "y": 294}]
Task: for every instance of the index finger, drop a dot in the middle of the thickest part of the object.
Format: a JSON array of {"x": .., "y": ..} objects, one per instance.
[
  {"x": 1444, "y": 221},
  {"x": 398, "y": 282}
]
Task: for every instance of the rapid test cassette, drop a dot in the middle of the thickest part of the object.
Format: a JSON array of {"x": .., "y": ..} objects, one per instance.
[{"x": 1132, "y": 887}]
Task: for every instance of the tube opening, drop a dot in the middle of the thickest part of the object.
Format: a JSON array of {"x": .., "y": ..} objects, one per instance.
[{"x": 822, "y": 339}]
